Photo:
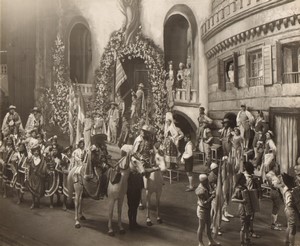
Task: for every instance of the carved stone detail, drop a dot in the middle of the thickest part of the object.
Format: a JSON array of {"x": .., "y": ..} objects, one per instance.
[{"x": 256, "y": 31}]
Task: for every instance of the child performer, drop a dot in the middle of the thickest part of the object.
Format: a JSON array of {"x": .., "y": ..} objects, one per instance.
[
  {"x": 203, "y": 209},
  {"x": 244, "y": 217}
]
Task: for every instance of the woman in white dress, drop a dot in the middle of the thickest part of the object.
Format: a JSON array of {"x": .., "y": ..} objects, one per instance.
[{"x": 172, "y": 136}]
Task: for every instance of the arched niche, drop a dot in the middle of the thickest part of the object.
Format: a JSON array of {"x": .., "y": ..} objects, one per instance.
[
  {"x": 79, "y": 50},
  {"x": 181, "y": 39}
]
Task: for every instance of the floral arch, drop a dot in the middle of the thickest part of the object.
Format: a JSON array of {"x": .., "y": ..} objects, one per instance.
[{"x": 153, "y": 57}]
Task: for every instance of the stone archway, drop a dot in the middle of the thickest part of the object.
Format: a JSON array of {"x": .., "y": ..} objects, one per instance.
[{"x": 186, "y": 124}]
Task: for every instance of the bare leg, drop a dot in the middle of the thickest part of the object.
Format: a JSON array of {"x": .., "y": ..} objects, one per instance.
[{"x": 200, "y": 230}]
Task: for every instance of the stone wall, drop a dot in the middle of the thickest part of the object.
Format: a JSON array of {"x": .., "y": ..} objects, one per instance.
[{"x": 275, "y": 94}]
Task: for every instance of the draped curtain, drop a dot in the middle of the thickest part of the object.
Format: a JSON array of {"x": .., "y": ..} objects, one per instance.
[{"x": 287, "y": 142}]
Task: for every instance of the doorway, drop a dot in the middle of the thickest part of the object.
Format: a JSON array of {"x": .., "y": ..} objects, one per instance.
[
  {"x": 80, "y": 53},
  {"x": 136, "y": 73}
]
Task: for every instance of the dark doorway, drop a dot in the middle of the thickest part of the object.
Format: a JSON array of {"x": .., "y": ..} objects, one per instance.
[
  {"x": 80, "y": 53},
  {"x": 176, "y": 40},
  {"x": 137, "y": 73}
]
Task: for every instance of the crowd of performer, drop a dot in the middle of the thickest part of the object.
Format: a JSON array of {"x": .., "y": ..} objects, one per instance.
[
  {"x": 240, "y": 181},
  {"x": 30, "y": 161}
]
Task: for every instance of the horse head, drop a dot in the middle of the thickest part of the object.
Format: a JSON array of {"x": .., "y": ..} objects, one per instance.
[
  {"x": 160, "y": 160},
  {"x": 135, "y": 163}
]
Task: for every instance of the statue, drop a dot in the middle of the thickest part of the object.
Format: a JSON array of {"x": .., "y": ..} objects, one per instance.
[
  {"x": 187, "y": 81},
  {"x": 170, "y": 84},
  {"x": 180, "y": 75},
  {"x": 133, "y": 105},
  {"x": 140, "y": 101}
]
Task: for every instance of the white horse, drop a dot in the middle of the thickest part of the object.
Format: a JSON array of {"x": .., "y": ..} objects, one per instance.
[
  {"x": 154, "y": 184},
  {"x": 117, "y": 191}
]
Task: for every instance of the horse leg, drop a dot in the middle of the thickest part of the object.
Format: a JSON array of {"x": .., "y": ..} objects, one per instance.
[
  {"x": 77, "y": 189},
  {"x": 141, "y": 206},
  {"x": 81, "y": 206},
  {"x": 111, "y": 204},
  {"x": 20, "y": 197},
  {"x": 148, "y": 199},
  {"x": 51, "y": 201},
  {"x": 33, "y": 202},
  {"x": 4, "y": 190},
  {"x": 65, "y": 203},
  {"x": 120, "y": 205},
  {"x": 158, "y": 194}
]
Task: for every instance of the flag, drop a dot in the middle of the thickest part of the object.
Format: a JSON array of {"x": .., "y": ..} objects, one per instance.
[
  {"x": 80, "y": 116},
  {"x": 72, "y": 106},
  {"x": 120, "y": 75},
  {"x": 218, "y": 203}
]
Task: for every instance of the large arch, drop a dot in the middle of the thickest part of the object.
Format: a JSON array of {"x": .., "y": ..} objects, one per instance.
[
  {"x": 177, "y": 16},
  {"x": 79, "y": 50}
]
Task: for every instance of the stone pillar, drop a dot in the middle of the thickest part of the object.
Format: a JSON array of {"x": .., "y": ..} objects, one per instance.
[{"x": 203, "y": 77}]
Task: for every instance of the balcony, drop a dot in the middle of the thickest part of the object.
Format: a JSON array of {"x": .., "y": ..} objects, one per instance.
[
  {"x": 86, "y": 89},
  {"x": 227, "y": 12},
  {"x": 291, "y": 77},
  {"x": 185, "y": 96},
  {"x": 256, "y": 81}
]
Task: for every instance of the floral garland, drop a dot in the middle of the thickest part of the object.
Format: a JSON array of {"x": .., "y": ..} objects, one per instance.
[
  {"x": 58, "y": 95},
  {"x": 153, "y": 57}
]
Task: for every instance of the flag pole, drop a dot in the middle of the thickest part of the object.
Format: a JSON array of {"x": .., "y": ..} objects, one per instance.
[{"x": 115, "y": 75}]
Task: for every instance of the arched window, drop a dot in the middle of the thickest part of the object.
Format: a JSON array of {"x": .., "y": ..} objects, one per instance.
[
  {"x": 181, "y": 46},
  {"x": 80, "y": 53}
]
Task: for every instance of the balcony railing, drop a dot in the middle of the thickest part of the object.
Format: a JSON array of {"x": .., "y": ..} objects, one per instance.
[
  {"x": 3, "y": 69},
  {"x": 225, "y": 11},
  {"x": 291, "y": 78},
  {"x": 186, "y": 96},
  {"x": 256, "y": 81},
  {"x": 86, "y": 89}
]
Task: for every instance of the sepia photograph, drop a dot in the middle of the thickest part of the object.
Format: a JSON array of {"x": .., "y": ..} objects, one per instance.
[{"x": 150, "y": 122}]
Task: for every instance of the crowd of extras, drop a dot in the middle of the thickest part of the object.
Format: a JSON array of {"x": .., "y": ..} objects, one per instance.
[{"x": 31, "y": 162}]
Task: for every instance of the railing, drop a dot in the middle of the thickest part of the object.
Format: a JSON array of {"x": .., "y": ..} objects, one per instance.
[
  {"x": 3, "y": 69},
  {"x": 291, "y": 78},
  {"x": 86, "y": 89},
  {"x": 256, "y": 81},
  {"x": 225, "y": 10},
  {"x": 182, "y": 95}
]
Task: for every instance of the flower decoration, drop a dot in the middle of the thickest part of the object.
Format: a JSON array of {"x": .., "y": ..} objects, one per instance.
[
  {"x": 57, "y": 97},
  {"x": 153, "y": 57}
]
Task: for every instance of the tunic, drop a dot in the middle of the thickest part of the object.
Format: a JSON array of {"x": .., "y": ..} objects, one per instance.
[
  {"x": 36, "y": 175},
  {"x": 33, "y": 123},
  {"x": 203, "y": 208},
  {"x": 226, "y": 140}
]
